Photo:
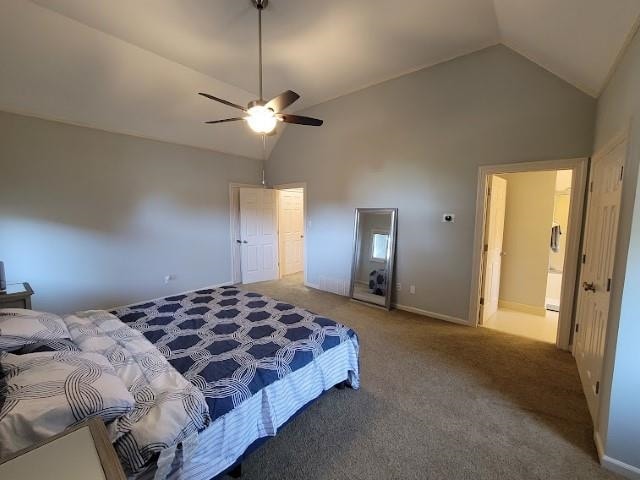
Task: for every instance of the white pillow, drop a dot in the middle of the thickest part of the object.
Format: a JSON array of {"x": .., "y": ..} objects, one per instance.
[
  {"x": 42, "y": 394},
  {"x": 20, "y": 327}
]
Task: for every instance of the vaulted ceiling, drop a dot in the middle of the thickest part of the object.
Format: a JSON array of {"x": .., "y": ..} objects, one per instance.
[{"x": 135, "y": 66}]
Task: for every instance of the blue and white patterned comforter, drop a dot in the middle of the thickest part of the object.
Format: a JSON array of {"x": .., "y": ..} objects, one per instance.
[
  {"x": 231, "y": 344},
  {"x": 169, "y": 411}
]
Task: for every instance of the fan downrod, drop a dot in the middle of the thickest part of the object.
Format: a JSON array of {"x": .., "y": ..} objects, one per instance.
[{"x": 260, "y": 4}]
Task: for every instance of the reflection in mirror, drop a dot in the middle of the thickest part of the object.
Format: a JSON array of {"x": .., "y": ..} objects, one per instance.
[{"x": 374, "y": 250}]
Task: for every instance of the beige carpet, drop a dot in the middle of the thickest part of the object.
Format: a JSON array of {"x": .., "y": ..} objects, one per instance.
[{"x": 438, "y": 401}]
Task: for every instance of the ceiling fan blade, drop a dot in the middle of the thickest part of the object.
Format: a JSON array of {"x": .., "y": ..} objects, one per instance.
[
  {"x": 230, "y": 104},
  {"x": 282, "y": 101},
  {"x": 300, "y": 120},
  {"x": 234, "y": 119}
]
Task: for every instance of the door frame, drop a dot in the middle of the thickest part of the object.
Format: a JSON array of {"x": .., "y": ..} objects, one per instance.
[
  {"x": 234, "y": 219},
  {"x": 305, "y": 257},
  {"x": 579, "y": 167}
]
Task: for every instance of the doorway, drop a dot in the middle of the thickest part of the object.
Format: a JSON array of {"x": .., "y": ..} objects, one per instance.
[
  {"x": 267, "y": 228},
  {"x": 291, "y": 232},
  {"x": 527, "y": 239}
]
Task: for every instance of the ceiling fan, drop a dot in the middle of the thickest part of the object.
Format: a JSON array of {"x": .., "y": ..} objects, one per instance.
[{"x": 263, "y": 116}]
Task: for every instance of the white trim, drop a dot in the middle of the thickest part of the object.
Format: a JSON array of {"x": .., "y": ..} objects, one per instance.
[
  {"x": 617, "y": 466},
  {"x": 312, "y": 285},
  {"x": 574, "y": 234},
  {"x": 613, "y": 464},
  {"x": 232, "y": 215},
  {"x": 426, "y": 313},
  {"x": 523, "y": 307},
  {"x": 218, "y": 285},
  {"x": 305, "y": 260}
]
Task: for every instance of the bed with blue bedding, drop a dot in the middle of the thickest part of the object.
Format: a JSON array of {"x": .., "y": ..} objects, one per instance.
[{"x": 256, "y": 360}]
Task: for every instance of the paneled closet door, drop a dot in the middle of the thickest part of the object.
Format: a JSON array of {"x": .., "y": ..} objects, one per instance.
[{"x": 599, "y": 251}]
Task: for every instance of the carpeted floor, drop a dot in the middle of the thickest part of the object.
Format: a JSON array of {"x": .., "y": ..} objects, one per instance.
[{"x": 438, "y": 401}]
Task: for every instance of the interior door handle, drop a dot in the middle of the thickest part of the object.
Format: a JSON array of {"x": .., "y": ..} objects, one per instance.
[
  {"x": 238, "y": 241},
  {"x": 244, "y": 241},
  {"x": 588, "y": 287}
]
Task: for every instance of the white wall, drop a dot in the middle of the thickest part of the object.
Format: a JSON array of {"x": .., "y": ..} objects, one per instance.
[
  {"x": 416, "y": 143},
  {"x": 526, "y": 241},
  {"x": 94, "y": 219},
  {"x": 619, "y": 418}
]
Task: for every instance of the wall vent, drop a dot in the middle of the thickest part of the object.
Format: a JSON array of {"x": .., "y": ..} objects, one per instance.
[{"x": 334, "y": 285}]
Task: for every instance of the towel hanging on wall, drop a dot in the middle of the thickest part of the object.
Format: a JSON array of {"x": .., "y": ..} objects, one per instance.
[{"x": 555, "y": 238}]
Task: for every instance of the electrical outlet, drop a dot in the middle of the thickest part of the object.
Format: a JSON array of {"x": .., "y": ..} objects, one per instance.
[
  {"x": 169, "y": 278},
  {"x": 398, "y": 286},
  {"x": 412, "y": 289}
]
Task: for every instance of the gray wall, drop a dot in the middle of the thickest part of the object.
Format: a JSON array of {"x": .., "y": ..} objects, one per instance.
[
  {"x": 619, "y": 109},
  {"x": 416, "y": 143},
  {"x": 93, "y": 219}
]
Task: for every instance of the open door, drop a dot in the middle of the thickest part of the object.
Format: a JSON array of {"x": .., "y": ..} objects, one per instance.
[
  {"x": 601, "y": 232},
  {"x": 258, "y": 234},
  {"x": 291, "y": 207},
  {"x": 496, "y": 208}
]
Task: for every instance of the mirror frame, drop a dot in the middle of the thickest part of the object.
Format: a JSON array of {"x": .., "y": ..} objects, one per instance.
[{"x": 391, "y": 252}]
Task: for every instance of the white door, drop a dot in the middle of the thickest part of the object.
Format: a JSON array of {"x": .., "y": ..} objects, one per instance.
[
  {"x": 600, "y": 236},
  {"x": 291, "y": 231},
  {"x": 258, "y": 234},
  {"x": 497, "y": 202}
]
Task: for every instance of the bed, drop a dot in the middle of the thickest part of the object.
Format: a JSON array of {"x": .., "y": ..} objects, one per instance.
[{"x": 255, "y": 362}]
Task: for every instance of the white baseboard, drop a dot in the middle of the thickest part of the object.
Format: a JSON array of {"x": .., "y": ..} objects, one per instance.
[
  {"x": 406, "y": 308},
  {"x": 616, "y": 466},
  {"x": 438, "y": 316},
  {"x": 224, "y": 284},
  {"x": 522, "y": 307}
]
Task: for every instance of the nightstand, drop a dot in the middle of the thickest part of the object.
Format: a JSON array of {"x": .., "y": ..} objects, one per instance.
[
  {"x": 80, "y": 453},
  {"x": 17, "y": 295}
]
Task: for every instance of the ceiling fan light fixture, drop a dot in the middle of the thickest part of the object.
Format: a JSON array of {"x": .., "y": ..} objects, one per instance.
[
  {"x": 263, "y": 116},
  {"x": 261, "y": 119}
]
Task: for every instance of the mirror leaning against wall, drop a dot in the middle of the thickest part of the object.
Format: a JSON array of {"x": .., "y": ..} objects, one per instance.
[{"x": 373, "y": 255}]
